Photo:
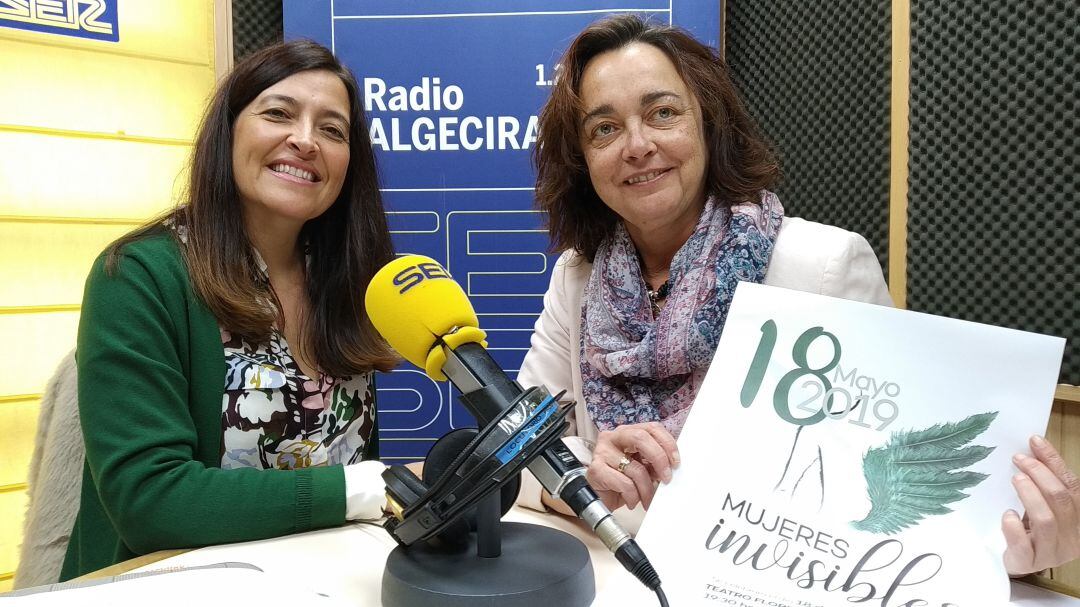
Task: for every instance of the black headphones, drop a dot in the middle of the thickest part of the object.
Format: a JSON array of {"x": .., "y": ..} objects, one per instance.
[
  {"x": 467, "y": 465},
  {"x": 406, "y": 488}
]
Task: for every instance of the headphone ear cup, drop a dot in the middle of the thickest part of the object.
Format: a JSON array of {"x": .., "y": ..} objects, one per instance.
[
  {"x": 443, "y": 453},
  {"x": 404, "y": 485},
  {"x": 438, "y": 460},
  {"x": 407, "y": 489}
]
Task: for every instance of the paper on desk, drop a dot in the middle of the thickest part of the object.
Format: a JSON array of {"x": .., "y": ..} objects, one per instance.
[{"x": 208, "y": 586}]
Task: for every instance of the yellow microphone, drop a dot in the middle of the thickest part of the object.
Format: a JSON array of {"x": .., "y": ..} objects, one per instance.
[
  {"x": 424, "y": 315},
  {"x": 416, "y": 305}
]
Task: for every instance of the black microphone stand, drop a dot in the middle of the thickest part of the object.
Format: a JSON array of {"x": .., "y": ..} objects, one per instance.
[
  {"x": 503, "y": 563},
  {"x": 511, "y": 564}
]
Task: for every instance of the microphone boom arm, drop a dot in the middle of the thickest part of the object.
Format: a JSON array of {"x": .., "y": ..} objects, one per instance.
[{"x": 472, "y": 370}]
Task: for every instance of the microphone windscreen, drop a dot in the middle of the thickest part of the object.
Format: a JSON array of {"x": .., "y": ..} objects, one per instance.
[{"x": 413, "y": 301}]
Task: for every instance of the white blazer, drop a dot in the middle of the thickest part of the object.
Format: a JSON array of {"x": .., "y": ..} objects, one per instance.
[{"x": 807, "y": 256}]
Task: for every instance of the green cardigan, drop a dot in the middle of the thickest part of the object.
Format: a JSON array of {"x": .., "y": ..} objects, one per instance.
[{"x": 151, "y": 380}]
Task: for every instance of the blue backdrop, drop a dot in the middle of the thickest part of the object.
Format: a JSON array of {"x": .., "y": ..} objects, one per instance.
[{"x": 451, "y": 91}]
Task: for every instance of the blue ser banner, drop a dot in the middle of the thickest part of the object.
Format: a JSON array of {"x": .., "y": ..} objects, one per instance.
[
  {"x": 92, "y": 19},
  {"x": 452, "y": 91}
]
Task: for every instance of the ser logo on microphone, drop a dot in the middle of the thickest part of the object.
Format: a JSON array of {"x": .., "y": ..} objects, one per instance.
[{"x": 414, "y": 275}]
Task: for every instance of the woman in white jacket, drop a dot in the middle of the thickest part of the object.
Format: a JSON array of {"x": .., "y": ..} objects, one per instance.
[{"x": 656, "y": 183}]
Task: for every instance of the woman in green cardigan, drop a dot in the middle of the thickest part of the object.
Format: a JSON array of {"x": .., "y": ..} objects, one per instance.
[{"x": 225, "y": 359}]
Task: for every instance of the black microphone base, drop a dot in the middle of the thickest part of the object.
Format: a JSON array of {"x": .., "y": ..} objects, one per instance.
[{"x": 539, "y": 567}]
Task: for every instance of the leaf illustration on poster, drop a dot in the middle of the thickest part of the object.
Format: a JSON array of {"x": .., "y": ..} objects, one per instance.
[{"x": 912, "y": 476}]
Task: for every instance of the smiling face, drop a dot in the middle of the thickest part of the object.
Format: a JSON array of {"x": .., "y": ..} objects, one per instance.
[
  {"x": 291, "y": 149},
  {"x": 644, "y": 141}
]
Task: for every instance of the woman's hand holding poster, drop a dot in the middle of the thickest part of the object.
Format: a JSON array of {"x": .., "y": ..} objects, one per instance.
[{"x": 842, "y": 453}]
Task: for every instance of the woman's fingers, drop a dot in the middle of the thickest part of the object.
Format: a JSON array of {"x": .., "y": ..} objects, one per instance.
[
  {"x": 643, "y": 481},
  {"x": 650, "y": 442},
  {"x": 1019, "y": 553},
  {"x": 667, "y": 458},
  {"x": 612, "y": 500},
  {"x": 631, "y": 459},
  {"x": 1050, "y": 492},
  {"x": 1042, "y": 524},
  {"x": 603, "y": 476},
  {"x": 1059, "y": 498},
  {"x": 1069, "y": 482}
]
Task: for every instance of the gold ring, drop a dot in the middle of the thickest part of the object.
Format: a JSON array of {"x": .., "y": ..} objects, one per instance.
[{"x": 623, "y": 463}]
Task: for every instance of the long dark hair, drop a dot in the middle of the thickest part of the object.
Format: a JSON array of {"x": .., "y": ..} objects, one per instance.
[
  {"x": 740, "y": 165},
  {"x": 346, "y": 245}
]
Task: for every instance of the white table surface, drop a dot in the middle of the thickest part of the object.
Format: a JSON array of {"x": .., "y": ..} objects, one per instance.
[{"x": 346, "y": 563}]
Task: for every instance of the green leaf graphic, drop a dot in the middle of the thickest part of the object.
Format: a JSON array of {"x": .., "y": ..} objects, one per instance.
[
  {"x": 915, "y": 474},
  {"x": 950, "y": 435}
]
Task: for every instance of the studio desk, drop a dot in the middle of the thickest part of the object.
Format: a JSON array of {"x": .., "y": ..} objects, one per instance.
[{"x": 345, "y": 564}]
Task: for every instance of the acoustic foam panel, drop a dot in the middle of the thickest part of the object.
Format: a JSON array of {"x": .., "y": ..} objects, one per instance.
[
  {"x": 994, "y": 157},
  {"x": 816, "y": 76}
]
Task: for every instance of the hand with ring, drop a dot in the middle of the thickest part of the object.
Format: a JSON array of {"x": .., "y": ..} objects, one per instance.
[{"x": 629, "y": 461}]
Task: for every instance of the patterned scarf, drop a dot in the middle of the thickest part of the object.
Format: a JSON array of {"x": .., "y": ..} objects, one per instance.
[{"x": 635, "y": 368}]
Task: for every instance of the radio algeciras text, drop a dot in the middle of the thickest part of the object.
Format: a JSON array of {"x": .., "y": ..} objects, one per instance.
[{"x": 438, "y": 133}]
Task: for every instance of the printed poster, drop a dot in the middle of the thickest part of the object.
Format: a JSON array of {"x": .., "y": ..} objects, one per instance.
[{"x": 842, "y": 453}]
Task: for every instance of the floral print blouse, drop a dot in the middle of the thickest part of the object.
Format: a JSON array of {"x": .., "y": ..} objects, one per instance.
[{"x": 274, "y": 416}]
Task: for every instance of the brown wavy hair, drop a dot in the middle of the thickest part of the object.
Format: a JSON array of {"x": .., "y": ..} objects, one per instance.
[
  {"x": 740, "y": 163},
  {"x": 346, "y": 245}
]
